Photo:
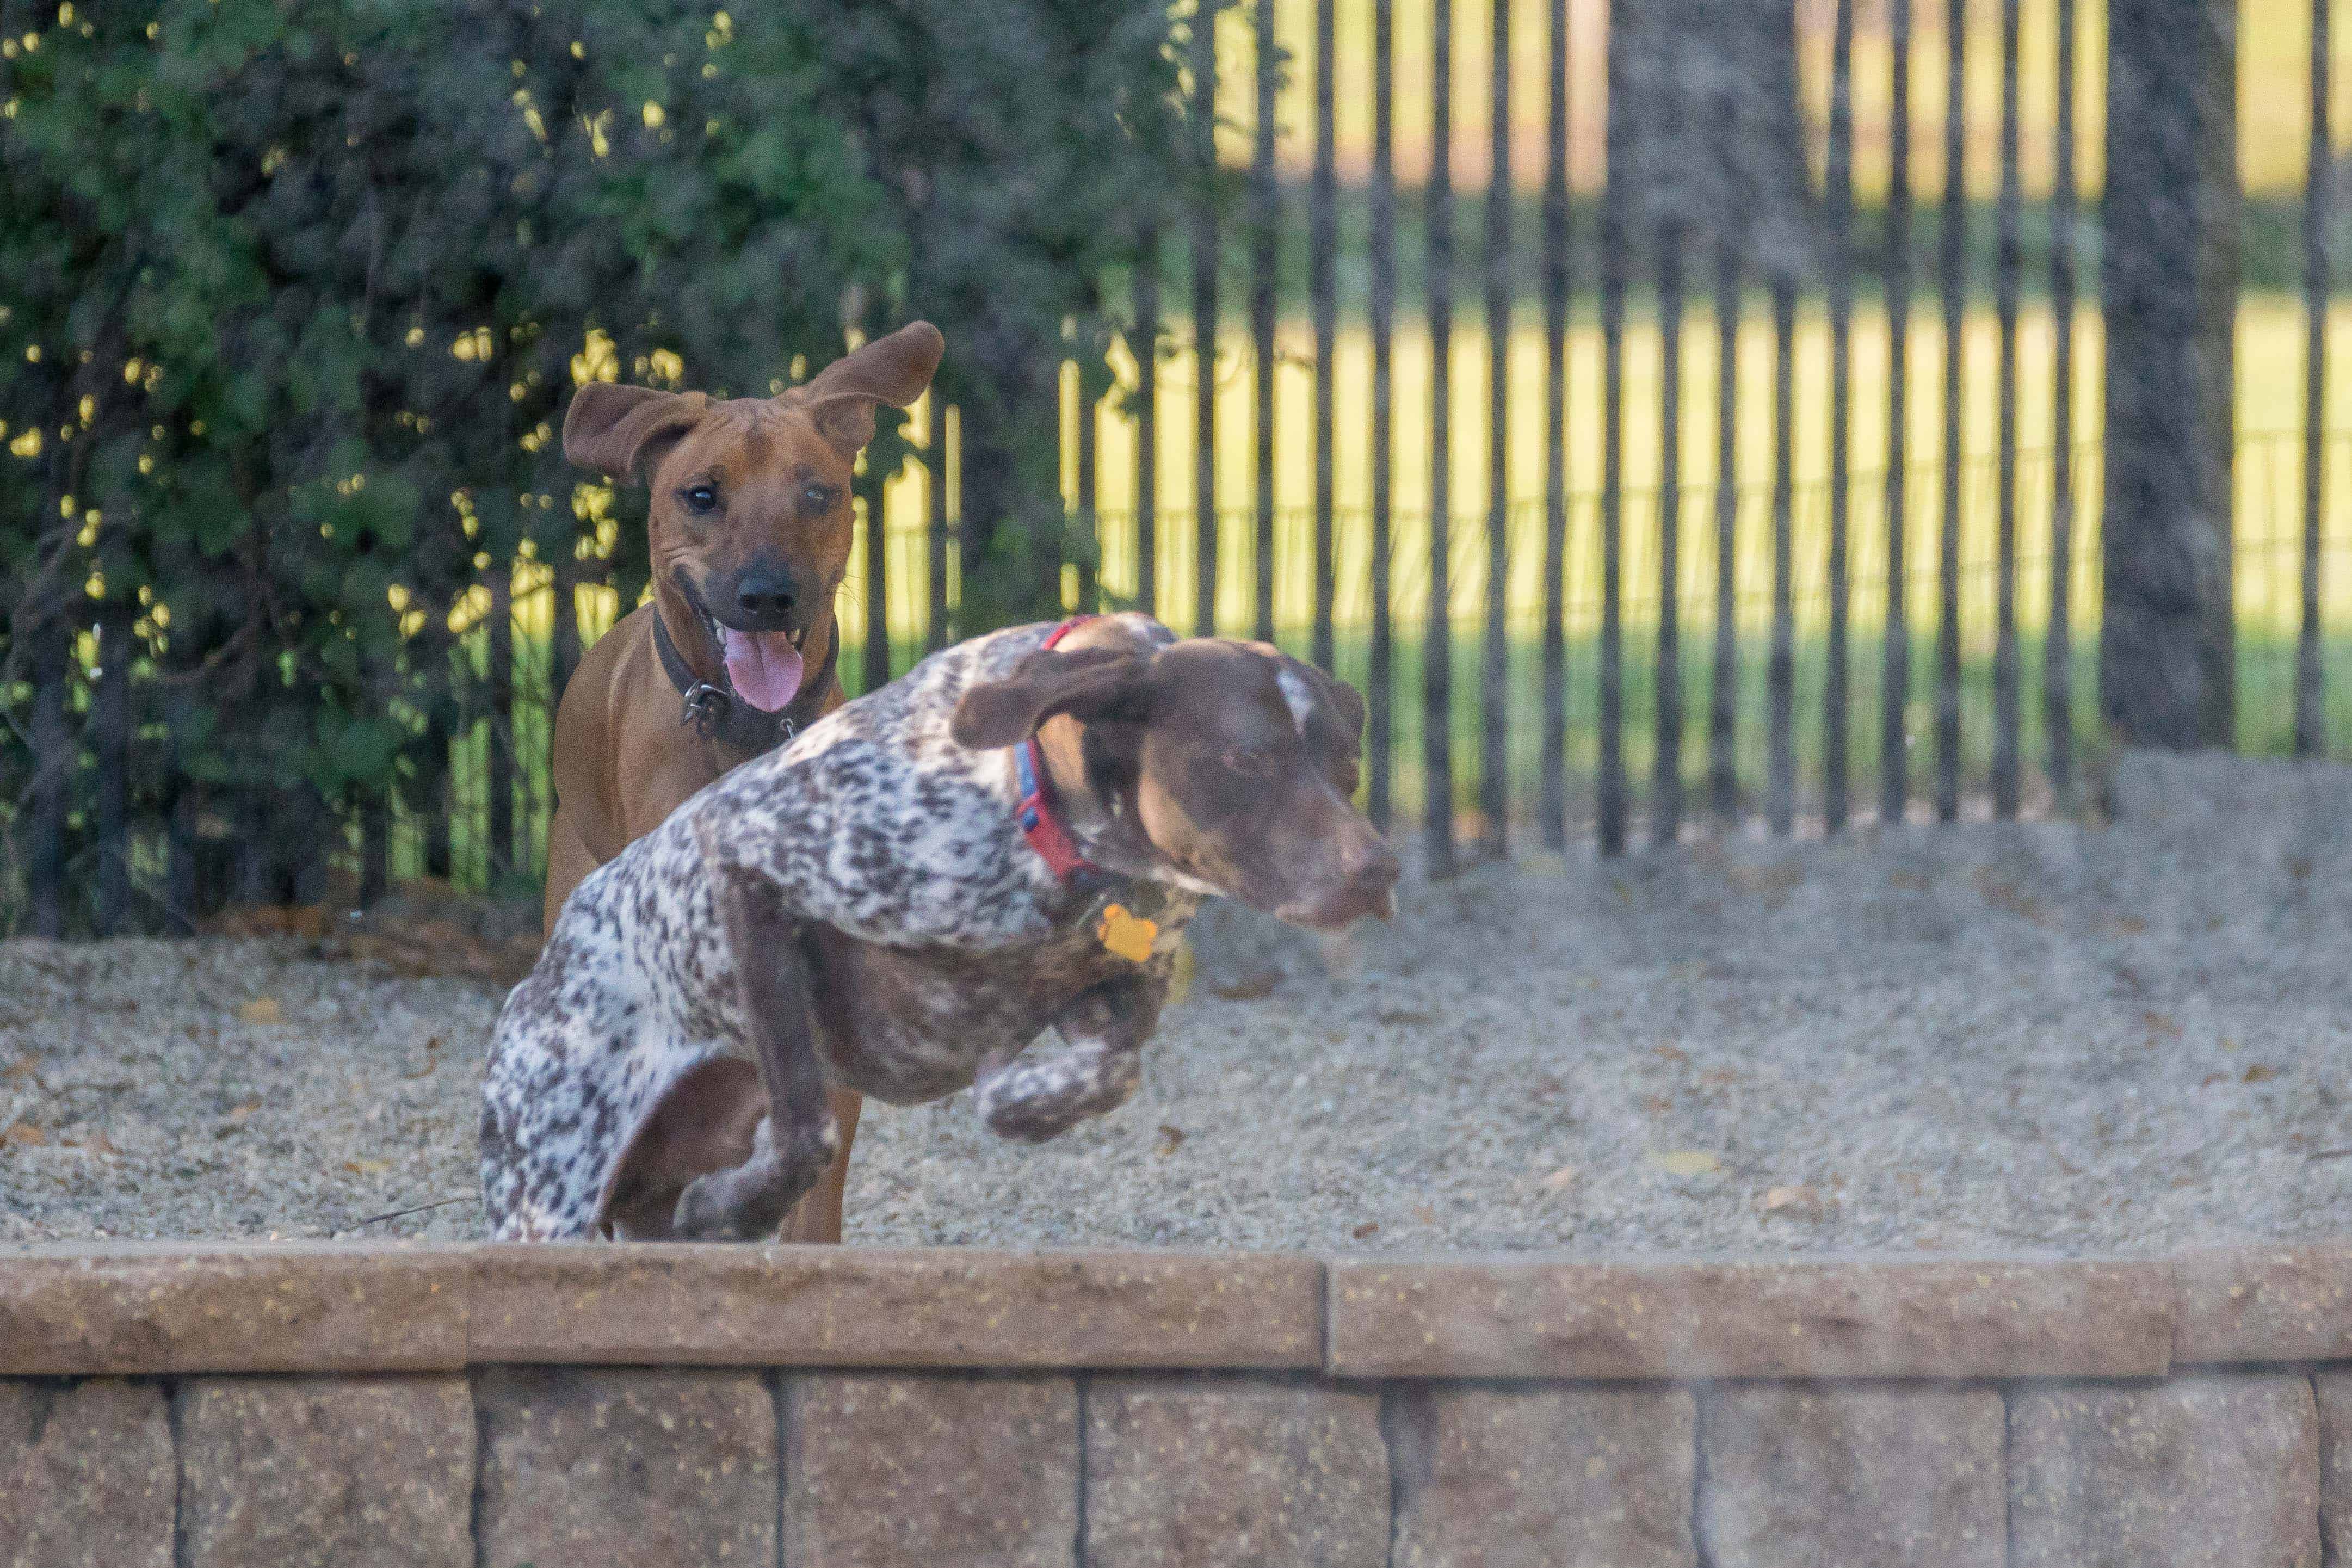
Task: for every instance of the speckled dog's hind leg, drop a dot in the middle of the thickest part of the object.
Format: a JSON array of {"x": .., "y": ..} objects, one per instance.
[
  {"x": 1042, "y": 1092},
  {"x": 798, "y": 1139}
]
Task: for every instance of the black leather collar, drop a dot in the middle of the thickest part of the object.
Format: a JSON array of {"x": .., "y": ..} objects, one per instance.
[{"x": 717, "y": 715}]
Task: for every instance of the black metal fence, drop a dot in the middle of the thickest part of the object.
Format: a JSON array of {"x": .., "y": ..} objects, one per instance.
[
  {"x": 1931, "y": 609},
  {"x": 1779, "y": 483}
]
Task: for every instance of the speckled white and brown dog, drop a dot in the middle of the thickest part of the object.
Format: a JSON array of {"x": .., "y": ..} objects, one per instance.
[{"x": 901, "y": 900}]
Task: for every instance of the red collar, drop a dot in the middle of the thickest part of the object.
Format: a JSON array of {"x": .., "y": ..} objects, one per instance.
[{"x": 1040, "y": 824}]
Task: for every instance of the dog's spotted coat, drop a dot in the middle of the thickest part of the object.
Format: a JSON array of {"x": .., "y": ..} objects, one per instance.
[{"x": 947, "y": 946}]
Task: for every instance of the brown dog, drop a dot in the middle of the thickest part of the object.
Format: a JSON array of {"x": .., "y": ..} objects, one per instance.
[{"x": 751, "y": 528}]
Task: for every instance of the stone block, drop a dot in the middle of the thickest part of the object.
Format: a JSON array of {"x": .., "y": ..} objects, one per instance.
[
  {"x": 360, "y": 1472},
  {"x": 87, "y": 1476},
  {"x": 1544, "y": 1478},
  {"x": 2198, "y": 1472},
  {"x": 1792, "y": 1318},
  {"x": 944, "y": 1470},
  {"x": 723, "y": 1305},
  {"x": 1814, "y": 1476},
  {"x": 614, "y": 1468},
  {"x": 1199, "y": 1473}
]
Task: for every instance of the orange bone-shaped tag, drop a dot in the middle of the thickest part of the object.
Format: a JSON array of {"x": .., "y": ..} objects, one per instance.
[{"x": 1128, "y": 936}]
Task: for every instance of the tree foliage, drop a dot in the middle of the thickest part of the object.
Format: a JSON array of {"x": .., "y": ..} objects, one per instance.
[{"x": 292, "y": 293}]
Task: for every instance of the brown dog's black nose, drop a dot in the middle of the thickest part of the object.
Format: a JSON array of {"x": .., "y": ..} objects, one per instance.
[{"x": 764, "y": 600}]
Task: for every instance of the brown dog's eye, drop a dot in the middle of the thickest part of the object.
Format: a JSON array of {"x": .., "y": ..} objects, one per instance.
[
  {"x": 818, "y": 497},
  {"x": 699, "y": 498},
  {"x": 1249, "y": 762}
]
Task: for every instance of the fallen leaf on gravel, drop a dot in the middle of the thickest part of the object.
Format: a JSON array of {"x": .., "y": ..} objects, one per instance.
[
  {"x": 1686, "y": 1162},
  {"x": 2259, "y": 1074},
  {"x": 1561, "y": 1180},
  {"x": 260, "y": 1010},
  {"x": 431, "y": 1061},
  {"x": 1250, "y": 988},
  {"x": 367, "y": 1167},
  {"x": 23, "y": 1134},
  {"x": 239, "y": 1112},
  {"x": 95, "y": 1143},
  {"x": 1170, "y": 1139},
  {"x": 1365, "y": 1229},
  {"x": 1779, "y": 1198}
]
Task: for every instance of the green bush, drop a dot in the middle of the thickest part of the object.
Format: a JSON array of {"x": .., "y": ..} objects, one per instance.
[{"x": 295, "y": 292}]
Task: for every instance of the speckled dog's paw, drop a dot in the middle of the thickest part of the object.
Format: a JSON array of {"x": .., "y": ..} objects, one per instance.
[
  {"x": 751, "y": 1201},
  {"x": 1033, "y": 1099}
]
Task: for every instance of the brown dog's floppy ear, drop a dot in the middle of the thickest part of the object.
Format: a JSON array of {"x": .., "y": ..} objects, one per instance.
[
  {"x": 1088, "y": 684},
  {"x": 614, "y": 429},
  {"x": 893, "y": 368}
]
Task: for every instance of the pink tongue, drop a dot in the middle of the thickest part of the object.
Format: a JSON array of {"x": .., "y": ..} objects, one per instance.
[{"x": 763, "y": 665}]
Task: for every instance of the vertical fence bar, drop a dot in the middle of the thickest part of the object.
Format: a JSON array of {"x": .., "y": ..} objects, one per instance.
[
  {"x": 502, "y": 748},
  {"x": 185, "y": 890},
  {"x": 1323, "y": 243},
  {"x": 1840, "y": 181},
  {"x": 1437, "y": 637},
  {"x": 1666, "y": 785},
  {"x": 869, "y": 483},
  {"x": 1265, "y": 212},
  {"x": 1494, "y": 707},
  {"x": 2058, "y": 644},
  {"x": 53, "y": 770},
  {"x": 1380, "y": 309},
  {"x": 1951, "y": 242},
  {"x": 110, "y": 723},
  {"x": 1555, "y": 296},
  {"x": 1145, "y": 347},
  {"x": 2006, "y": 258},
  {"x": 2170, "y": 272},
  {"x": 2310, "y": 720},
  {"x": 1723, "y": 689},
  {"x": 1894, "y": 696},
  {"x": 1617, "y": 138},
  {"x": 565, "y": 611},
  {"x": 1780, "y": 674},
  {"x": 1204, "y": 320},
  {"x": 375, "y": 843},
  {"x": 1089, "y": 551},
  {"x": 431, "y": 799},
  {"x": 935, "y": 507}
]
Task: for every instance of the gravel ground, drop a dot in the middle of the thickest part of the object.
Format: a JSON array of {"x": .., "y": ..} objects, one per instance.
[{"x": 2050, "y": 1036}]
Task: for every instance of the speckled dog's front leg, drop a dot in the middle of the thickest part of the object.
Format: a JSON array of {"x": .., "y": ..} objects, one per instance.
[
  {"x": 798, "y": 1139},
  {"x": 1042, "y": 1092}
]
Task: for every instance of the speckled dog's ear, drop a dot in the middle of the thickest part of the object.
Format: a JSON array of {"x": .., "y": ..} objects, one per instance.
[
  {"x": 1090, "y": 684},
  {"x": 1344, "y": 698}
]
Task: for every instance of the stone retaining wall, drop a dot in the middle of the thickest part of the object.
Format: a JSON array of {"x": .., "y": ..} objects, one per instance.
[{"x": 185, "y": 1407}]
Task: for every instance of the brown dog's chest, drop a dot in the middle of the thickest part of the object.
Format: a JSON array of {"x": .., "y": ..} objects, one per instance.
[{"x": 911, "y": 1025}]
